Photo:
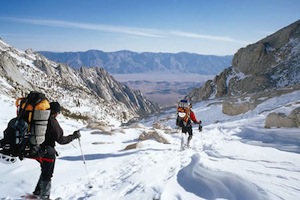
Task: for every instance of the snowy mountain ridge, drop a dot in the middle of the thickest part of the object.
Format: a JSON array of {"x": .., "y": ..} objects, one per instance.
[{"x": 94, "y": 89}]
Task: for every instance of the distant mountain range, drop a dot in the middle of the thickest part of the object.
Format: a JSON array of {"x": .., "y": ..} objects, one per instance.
[{"x": 126, "y": 62}]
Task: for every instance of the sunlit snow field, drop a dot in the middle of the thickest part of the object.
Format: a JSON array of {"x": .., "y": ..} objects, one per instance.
[{"x": 232, "y": 158}]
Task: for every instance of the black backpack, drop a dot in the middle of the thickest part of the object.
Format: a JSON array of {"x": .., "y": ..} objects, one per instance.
[{"x": 25, "y": 133}]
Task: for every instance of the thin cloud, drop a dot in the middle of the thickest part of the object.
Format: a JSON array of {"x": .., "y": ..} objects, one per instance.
[
  {"x": 87, "y": 26},
  {"x": 119, "y": 29},
  {"x": 209, "y": 37}
]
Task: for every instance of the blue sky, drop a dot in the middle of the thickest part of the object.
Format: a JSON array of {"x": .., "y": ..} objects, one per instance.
[{"x": 210, "y": 27}]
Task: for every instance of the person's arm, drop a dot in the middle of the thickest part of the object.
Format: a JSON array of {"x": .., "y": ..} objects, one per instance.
[
  {"x": 58, "y": 134},
  {"x": 193, "y": 118}
]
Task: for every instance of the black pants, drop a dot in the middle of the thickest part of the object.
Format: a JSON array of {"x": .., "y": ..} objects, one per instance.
[
  {"x": 188, "y": 129},
  {"x": 47, "y": 164}
]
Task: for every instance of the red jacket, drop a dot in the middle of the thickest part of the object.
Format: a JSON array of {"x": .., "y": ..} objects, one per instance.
[{"x": 193, "y": 117}]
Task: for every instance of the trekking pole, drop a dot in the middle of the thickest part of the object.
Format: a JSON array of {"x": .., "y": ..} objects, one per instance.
[
  {"x": 83, "y": 158},
  {"x": 73, "y": 146}
]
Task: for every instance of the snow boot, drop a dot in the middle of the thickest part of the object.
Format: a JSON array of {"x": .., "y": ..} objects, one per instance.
[
  {"x": 45, "y": 190},
  {"x": 37, "y": 190}
]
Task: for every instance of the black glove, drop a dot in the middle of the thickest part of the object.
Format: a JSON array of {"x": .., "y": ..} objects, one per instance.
[{"x": 76, "y": 134}]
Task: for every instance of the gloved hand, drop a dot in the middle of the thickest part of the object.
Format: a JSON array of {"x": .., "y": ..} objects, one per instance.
[
  {"x": 198, "y": 122},
  {"x": 76, "y": 134},
  {"x": 200, "y": 127}
]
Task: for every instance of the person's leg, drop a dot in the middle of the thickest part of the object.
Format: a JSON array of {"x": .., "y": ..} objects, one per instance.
[
  {"x": 47, "y": 173},
  {"x": 45, "y": 190},
  {"x": 37, "y": 190},
  {"x": 190, "y": 131},
  {"x": 183, "y": 136}
]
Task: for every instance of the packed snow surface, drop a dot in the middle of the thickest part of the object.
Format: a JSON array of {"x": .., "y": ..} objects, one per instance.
[{"x": 233, "y": 158}]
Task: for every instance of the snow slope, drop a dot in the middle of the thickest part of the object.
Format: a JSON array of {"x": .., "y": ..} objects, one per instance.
[{"x": 232, "y": 158}]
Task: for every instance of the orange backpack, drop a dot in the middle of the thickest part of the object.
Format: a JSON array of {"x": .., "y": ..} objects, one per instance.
[{"x": 25, "y": 133}]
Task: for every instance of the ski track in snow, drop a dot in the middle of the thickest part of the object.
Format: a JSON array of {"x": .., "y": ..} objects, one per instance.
[{"x": 122, "y": 177}]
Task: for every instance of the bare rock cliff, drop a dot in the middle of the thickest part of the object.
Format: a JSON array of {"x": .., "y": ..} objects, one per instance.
[
  {"x": 269, "y": 64},
  {"x": 87, "y": 93}
]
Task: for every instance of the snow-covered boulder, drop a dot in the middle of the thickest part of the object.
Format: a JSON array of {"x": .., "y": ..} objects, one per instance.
[
  {"x": 153, "y": 135},
  {"x": 295, "y": 114},
  {"x": 282, "y": 120},
  {"x": 133, "y": 146}
]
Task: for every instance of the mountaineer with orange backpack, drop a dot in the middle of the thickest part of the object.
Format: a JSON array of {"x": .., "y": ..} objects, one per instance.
[
  {"x": 32, "y": 134},
  {"x": 185, "y": 117}
]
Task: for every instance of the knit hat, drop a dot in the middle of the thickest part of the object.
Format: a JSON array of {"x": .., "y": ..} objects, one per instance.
[{"x": 55, "y": 107}]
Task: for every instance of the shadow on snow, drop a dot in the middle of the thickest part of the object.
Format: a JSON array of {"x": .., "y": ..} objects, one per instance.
[
  {"x": 281, "y": 139},
  {"x": 208, "y": 184},
  {"x": 100, "y": 156}
]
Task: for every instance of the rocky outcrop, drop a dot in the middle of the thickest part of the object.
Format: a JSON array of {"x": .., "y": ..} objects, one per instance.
[
  {"x": 279, "y": 120},
  {"x": 133, "y": 146},
  {"x": 107, "y": 88},
  {"x": 269, "y": 64},
  {"x": 153, "y": 135},
  {"x": 295, "y": 115},
  {"x": 147, "y": 135},
  {"x": 230, "y": 108},
  {"x": 86, "y": 93},
  {"x": 10, "y": 70}
]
